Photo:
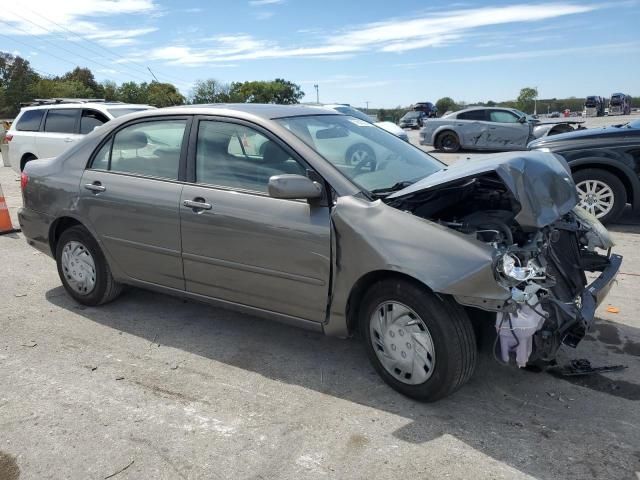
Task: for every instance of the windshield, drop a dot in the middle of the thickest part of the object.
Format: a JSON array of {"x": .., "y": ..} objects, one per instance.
[
  {"x": 373, "y": 159},
  {"x": 410, "y": 115},
  {"x": 354, "y": 113},
  {"x": 118, "y": 112},
  {"x": 616, "y": 100}
]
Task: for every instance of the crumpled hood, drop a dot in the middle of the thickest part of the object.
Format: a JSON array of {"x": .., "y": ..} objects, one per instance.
[{"x": 540, "y": 182}]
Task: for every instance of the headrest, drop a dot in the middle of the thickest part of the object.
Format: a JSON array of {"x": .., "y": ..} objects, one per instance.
[
  {"x": 274, "y": 154},
  {"x": 130, "y": 140}
]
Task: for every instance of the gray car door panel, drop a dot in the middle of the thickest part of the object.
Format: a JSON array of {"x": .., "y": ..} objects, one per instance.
[
  {"x": 256, "y": 250},
  {"x": 137, "y": 220}
]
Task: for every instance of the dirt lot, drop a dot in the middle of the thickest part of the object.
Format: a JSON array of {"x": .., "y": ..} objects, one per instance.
[{"x": 175, "y": 389}]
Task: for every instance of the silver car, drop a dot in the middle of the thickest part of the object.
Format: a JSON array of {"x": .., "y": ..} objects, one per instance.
[
  {"x": 483, "y": 128},
  {"x": 401, "y": 250}
]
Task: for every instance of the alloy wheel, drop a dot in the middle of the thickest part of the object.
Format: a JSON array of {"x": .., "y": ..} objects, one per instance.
[{"x": 596, "y": 197}]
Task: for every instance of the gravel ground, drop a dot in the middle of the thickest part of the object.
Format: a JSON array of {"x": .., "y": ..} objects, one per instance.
[{"x": 165, "y": 388}]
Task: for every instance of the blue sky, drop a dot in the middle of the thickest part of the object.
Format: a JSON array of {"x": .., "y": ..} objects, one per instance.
[{"x": 387, "y": 53}]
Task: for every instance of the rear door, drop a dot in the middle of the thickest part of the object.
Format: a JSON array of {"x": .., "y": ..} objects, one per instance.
[
  {"x": 473, "y": 129},
  {"x": 60, "y": 131},
  {"x": 239, "y": 244},
  {"x": 91, "y": 119},
  {"x": 506, "y": 132},
  {"x": 130, "y": 195}
]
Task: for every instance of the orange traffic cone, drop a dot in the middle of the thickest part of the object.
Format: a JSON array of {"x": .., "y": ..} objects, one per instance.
[{"x": 5, "y": 219}]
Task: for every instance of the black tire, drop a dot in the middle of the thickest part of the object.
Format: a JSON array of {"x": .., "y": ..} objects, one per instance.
[
  {"x": 106, "y": 288},
  {"x": 27, "y": 158},
  {"x": 448, "y": 142},
  {"x": 363, "y": 147},
  {"x": 451, "y": 331},
  {"x": 613, "y": 182}
]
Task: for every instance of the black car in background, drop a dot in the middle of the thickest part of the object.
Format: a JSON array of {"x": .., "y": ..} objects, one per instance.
[
  {"x": 413, "y": 119},
  {"x": 605, "y": 163},
  {"x": 428, "y": 108}
]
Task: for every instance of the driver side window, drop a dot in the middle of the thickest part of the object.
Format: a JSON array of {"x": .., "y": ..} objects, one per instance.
[
  {"x": 501, "y": 116},
  {"x": 236, "y": 156}
]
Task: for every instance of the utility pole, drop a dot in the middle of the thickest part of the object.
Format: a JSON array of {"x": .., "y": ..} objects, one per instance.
[
  {"x": 535, "y": 103},
  {"x": 367, "y": 102},
  {"x": 317, "y": 93}
]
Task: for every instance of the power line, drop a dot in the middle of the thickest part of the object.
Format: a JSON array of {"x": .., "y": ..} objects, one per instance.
[
  {"x": 88, "y": 40},
  {"x": 67, "y": 50}
]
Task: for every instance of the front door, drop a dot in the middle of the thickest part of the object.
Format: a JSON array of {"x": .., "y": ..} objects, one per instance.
[
  {"x": 239, "y": 244},
  {"x": 506, "y": 132},
  {"x": 130, "y": 194}
]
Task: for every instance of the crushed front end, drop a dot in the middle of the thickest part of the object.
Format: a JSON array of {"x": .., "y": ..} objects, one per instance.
[{"x": 552, "y": 259}]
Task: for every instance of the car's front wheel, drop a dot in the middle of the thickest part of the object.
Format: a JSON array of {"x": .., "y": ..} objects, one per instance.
[
  {"x": 83, "y": 269},
  {"x": 600, "y": 193},
  {"x": 421, "y": 345},
  {"x": 448, "y": 142}
]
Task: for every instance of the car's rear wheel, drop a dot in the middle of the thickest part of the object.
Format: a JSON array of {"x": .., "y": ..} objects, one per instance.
[
  {"x": 422, "y": 345},
  {"x": 83, "y": 269},
  {"x": 600, "y": 193},
  {"x": 448, "y": 142}
]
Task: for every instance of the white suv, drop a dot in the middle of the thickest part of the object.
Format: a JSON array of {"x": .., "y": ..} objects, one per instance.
[{"x": 48, "y": 129}]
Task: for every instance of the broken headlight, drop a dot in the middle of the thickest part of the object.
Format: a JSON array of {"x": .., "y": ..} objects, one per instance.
[{"x": 511, "y": 267}]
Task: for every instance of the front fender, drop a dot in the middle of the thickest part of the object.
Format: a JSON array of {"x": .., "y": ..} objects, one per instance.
[{"x": 372, "y": 236}]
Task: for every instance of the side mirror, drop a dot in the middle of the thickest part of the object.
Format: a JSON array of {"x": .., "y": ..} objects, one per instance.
[
  {"x": 291, "y": 186},
  {"x": 522, "y": 119}
]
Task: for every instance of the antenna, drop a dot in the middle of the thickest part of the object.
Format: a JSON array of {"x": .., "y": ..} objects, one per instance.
[{"x": 156, "y": 79}]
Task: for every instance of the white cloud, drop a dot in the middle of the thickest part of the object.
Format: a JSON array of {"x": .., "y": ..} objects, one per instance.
[
  {"x": 260, "y": 3},
  {"x": 522, "y": 55},
  {"x": 435, "y": 29},
  {"x": 44, "y": 17}
]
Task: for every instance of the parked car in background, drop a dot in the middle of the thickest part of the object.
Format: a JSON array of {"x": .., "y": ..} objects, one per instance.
[
  {"x": 354, "y": 112},
  {"x": 402, "y": 250},
  {"x": 488, "y": 128},
  {"x": 554, "y": 115},
  {"x": 51, "y": 126},
  {"x": 413, "y": 119},
  {"x": 605, "y": 163},
  {"x": 428, "y": 108}
]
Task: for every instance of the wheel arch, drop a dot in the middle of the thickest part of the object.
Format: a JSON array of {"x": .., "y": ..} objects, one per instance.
[
  {"x": 366, "y": 281},
  {"x": 631, "y": 184},
  {"x": 26, "y": 157},
  {"x": 58, "y": 226}
]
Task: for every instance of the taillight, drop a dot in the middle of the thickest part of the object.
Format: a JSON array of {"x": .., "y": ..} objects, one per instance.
[
  {"x": 7, "y": 138},
  {"x": 24, "y": 179}
]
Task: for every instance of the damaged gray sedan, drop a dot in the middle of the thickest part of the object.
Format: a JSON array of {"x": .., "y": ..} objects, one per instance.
[
  {"x": 484, "y": 128},
  {"x": 250, "y": 207}
]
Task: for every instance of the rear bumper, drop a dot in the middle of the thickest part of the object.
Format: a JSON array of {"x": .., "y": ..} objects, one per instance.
[{"x": 35, "y": 227}]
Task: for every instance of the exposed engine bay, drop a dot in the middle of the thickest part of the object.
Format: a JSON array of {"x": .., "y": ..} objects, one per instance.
[{"x": 542, "y": 267}]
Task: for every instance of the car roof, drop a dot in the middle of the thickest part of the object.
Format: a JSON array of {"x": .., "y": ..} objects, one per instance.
[
  {"x": 262, "y": 110},
  {"x": 96, "y": 105}
]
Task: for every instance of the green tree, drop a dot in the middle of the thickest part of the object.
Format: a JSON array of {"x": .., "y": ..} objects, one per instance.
[
  {"x": 17, "y": 79},
  {"x": 85, "y": 77},
  {"x": 163, "y": 95},
  {"x": 131, "y": 92},
  {"x": 110, "y": 89},
  {"x": 526, "y": 99},
  {"x": 55, "y": 88},
  {"x": 445, "y": 104},
  {"x": 260, "y": 91},
  {"x": 210, "y": 91}
]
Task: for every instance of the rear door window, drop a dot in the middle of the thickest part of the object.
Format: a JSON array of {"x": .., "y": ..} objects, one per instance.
[
  {"x": 61, "y": 120},
  {"x": 91, "y": 119},
  {"x": 472, "y": 115},
  {"x": 502, "y": 116},
  {"x": 30, "y": 121}
]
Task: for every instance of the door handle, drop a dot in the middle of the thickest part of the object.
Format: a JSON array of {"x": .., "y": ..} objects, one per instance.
[
  {"x": 96, "y": 187},
  {"x": 68, "y": 140},
  {"x": 197, "y": 204}
]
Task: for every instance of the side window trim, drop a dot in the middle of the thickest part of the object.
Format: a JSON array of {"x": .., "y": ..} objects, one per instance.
[{"x": 182, "y": 163}]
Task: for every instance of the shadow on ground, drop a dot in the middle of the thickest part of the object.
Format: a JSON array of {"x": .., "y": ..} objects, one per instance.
[{"x": 531, "y": 421}]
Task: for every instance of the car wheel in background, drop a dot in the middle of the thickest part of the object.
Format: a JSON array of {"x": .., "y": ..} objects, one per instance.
[
  {"x": 84, "y": 271},
  {"x": 420, "y": 344},
  {"x": 360, "y": 154},
  {"x": 600, "y": 193},
  {"x": 448, "y": 142}
]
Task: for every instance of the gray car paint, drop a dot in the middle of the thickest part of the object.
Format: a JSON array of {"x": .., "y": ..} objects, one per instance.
[
  {"x": 309, "y": 259},
  {"x": 484, "y": 134}
]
